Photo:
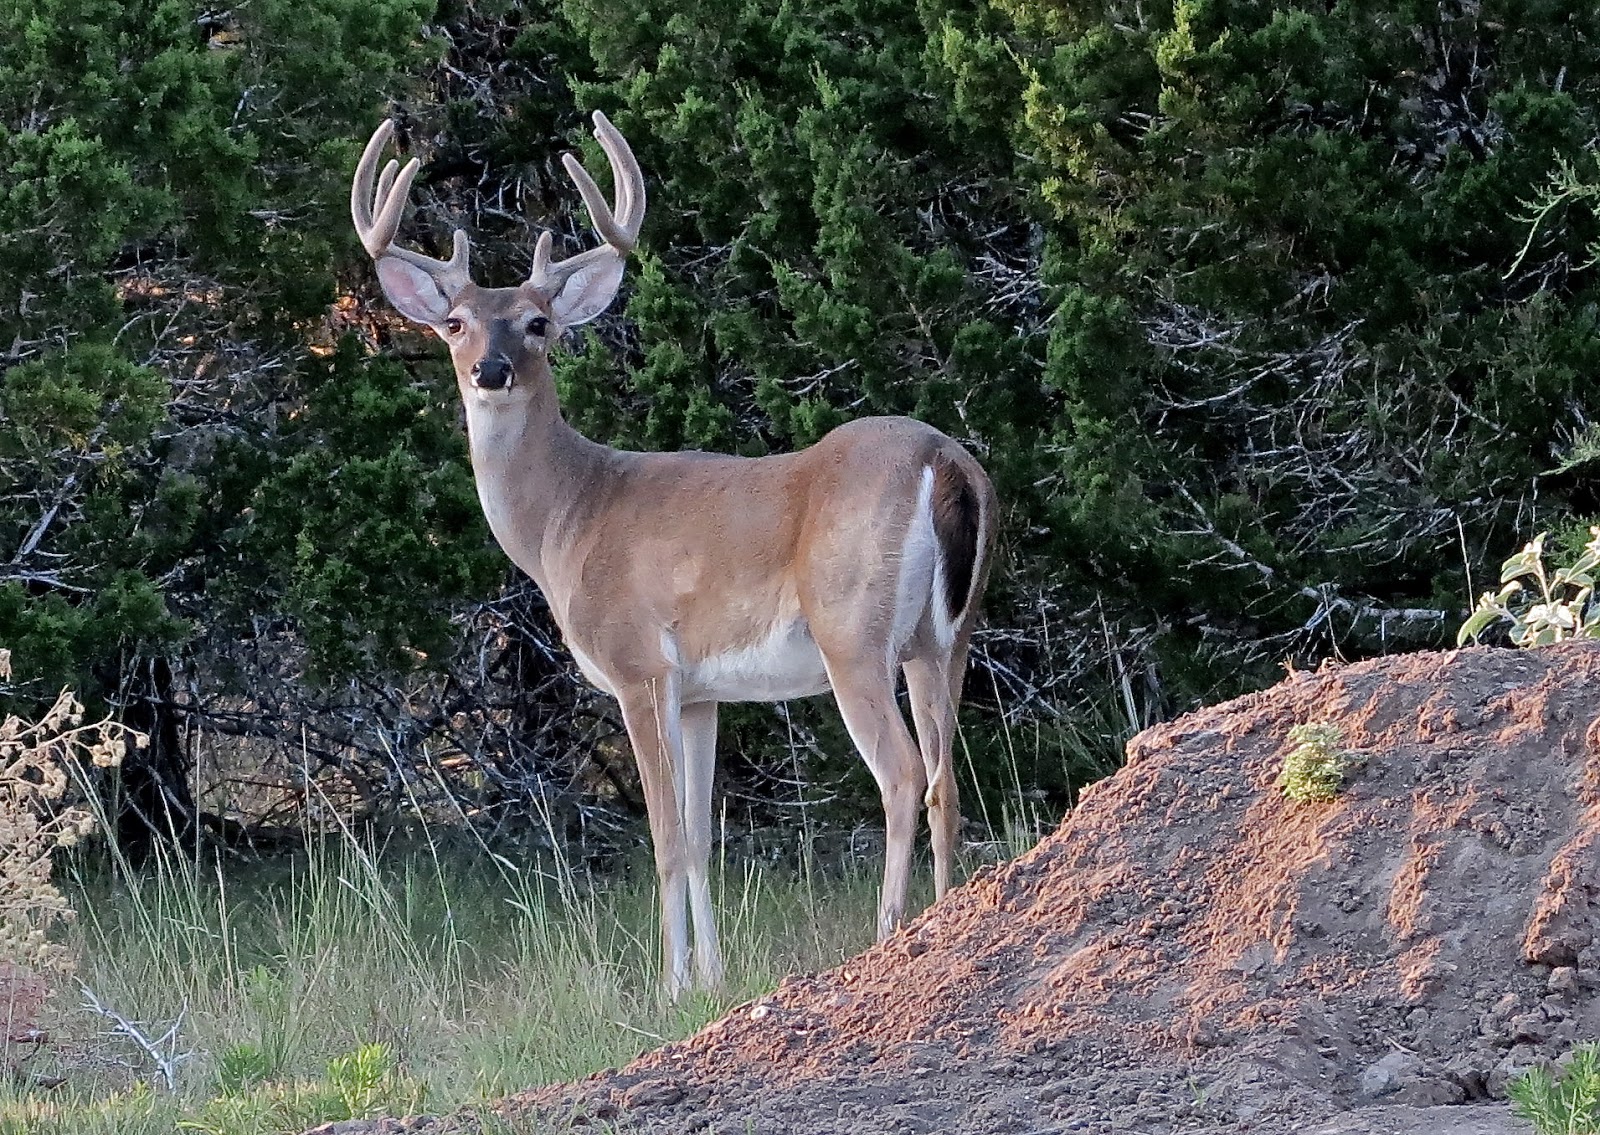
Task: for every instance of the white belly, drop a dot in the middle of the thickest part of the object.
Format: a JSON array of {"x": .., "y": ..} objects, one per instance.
[{"x": 786, "y": 664}]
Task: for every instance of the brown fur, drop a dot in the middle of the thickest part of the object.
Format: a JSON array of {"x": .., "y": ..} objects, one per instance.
[{"x": 681, "y": 580}]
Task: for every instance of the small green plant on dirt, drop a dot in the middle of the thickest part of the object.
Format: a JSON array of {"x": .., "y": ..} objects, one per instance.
[
  {"x": 1556, "y": 606},
  {"x": 1564, "y": 1104},
  {"x": 1316, "y": 766}
]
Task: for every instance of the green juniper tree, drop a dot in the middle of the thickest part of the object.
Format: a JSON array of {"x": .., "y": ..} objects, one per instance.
[
  {"x": 174, "y": 464},
  {"x": 1226, "y": 296},
  {"x": 1303, "y": 375},
  {"x": 1241, "y": 304}
]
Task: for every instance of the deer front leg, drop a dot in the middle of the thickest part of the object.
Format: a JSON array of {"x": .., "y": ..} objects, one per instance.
[
  {"x": 653, "y": 719},
  {"x": 699, "y": 766}
]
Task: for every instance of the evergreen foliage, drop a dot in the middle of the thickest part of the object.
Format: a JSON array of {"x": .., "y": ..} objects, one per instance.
[
  {"x": 172, "y": 463},
  {"x": 1272, "y": 322},
  {"x": 1314, "y": 371}
]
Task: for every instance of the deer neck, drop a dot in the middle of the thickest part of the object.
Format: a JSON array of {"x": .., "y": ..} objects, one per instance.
[{"x": 536, "y": 476}]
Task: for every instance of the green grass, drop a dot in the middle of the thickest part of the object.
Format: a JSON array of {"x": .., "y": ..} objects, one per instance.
[
  {"x": 475, "y": 974},
  {"x": 1564, "y": 1104}
]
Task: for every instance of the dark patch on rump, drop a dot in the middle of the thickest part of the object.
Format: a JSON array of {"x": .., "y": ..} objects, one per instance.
[{"x": 957, "y": 524}]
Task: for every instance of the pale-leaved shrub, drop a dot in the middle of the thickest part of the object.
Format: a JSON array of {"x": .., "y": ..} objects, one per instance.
[
  {"x": 1557, "y": 606},
  {"x": 37, "y": 760}
]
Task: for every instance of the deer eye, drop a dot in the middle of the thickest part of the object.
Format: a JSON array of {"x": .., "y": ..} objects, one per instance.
[
  {"x": 538, "y": 325},
  {"x": 453, "y": 325}
]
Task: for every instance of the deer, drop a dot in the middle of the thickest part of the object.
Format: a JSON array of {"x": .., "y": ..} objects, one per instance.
[{"x": 681, "y": 580}]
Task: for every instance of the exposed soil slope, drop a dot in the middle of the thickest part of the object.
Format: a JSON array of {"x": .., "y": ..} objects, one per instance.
[{"x": 1191, "y": 951}]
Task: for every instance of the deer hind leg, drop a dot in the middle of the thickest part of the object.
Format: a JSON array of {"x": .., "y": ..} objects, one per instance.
[
  {"x": 865, "y": 693},
  {"x": 699, "y": 765},
  {"x": 933, "y": 710},
  {"x": 653, "y": 719}
]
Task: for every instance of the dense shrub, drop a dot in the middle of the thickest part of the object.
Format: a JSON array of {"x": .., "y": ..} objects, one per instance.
[{"x": 1244, "y": 306}]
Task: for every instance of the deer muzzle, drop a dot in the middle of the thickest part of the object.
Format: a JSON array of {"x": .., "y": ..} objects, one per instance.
[{"x": 492, "y": 372}]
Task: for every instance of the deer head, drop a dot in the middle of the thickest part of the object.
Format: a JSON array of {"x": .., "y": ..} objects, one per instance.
[{"x": 495, "y": 334}]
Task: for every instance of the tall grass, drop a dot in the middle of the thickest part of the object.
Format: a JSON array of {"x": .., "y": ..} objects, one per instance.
[{"x": 477, "y": 974}]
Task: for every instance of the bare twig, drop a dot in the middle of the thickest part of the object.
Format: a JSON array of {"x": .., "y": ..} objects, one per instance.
[{"x": 161, "y": 1050}]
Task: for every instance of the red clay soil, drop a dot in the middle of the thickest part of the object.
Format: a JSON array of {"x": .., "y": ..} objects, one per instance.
[{"x": 1193, "y": 952}]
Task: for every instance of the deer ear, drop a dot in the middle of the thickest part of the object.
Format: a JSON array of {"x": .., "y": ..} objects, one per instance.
[
  {"x": 587, "y": 292},
  {"x": 412, "y": 291}
]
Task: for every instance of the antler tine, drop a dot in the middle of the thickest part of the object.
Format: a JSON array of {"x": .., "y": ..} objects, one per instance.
[
  {"x": 377, "y": 211},
  {"x": 361, "y": 192},
  {"x": 627, "y": 180},
  {"x": 391, "y": 170},
  {"x": 600, "y": 215},
  {"x": 619, "y": 227},
  {"x": 541, "y": 259}
]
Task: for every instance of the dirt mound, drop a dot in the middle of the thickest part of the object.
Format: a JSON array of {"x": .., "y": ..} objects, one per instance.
[{"x": 1191, "y": 951}]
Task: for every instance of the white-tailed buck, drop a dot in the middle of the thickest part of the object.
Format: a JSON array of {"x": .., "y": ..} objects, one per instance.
[{"x": 680, "y": 580}]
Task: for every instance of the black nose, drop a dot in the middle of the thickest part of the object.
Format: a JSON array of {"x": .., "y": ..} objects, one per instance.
[{"x": 492, "y": 373}]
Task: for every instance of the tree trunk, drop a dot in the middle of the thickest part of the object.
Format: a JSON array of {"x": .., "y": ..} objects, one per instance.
[{"x": 155, "y": 804}]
